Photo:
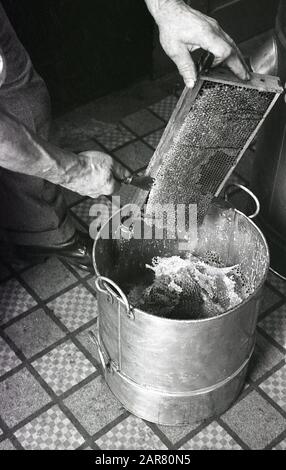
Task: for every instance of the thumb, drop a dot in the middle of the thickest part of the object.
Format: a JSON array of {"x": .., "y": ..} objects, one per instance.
[{"x": 186, "y": 66}]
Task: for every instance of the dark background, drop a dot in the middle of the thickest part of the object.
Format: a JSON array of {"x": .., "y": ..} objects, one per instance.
[{"x": 87, "y": 48}]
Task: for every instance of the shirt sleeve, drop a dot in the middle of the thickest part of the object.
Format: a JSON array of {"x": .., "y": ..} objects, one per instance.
[{"x": 23, "y": 151}]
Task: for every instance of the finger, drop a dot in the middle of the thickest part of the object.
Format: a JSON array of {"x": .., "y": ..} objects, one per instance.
[
  {"x": 237, "y": 52},
  {"x": 219, "y": 47},
  {"x": 238, "y": 68},
  {"x": 111, "y": 187},
  {"x": 119, "y": 171},
  {"x": 185, "y": 64},
  {"x": 225, "y": 51},
  {"x": 235, "y": 47}
]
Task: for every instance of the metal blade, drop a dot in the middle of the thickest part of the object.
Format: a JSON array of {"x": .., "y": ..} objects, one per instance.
[{"x": 141, "y": 182}]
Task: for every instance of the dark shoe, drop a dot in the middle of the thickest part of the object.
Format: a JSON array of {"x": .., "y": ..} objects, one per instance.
[{"x": 76, "y": 251}]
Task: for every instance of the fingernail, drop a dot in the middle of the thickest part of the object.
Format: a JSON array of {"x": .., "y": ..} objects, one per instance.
[{"x": 190, "y": 83}]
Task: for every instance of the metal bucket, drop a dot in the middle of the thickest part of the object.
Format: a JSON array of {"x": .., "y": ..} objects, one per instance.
[{"x": 175, "y": 372}]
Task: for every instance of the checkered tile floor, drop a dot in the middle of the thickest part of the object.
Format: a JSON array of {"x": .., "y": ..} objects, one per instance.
[
  {"x": 132, "y": 434},
  {"x": 213, "y": 437},
  {"x": 51, "y": 430},
  {"x": 52, "y": 393},
  {"x": 63, "y": 367}
]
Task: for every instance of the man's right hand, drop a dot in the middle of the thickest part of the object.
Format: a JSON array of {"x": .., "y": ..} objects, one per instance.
[
  {"x": 183, "y": 30},
  {"x": 98, "y": 174},
  {"x": 91, "y": 173}
]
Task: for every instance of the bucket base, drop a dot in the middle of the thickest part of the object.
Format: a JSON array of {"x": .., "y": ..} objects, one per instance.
[{"x": 174, "y": 409}]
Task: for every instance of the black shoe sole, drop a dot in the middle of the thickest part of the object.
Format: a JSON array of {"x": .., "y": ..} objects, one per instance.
[
  {"x": 81, "y": 266},
  {"x": 34, "y": 259}
]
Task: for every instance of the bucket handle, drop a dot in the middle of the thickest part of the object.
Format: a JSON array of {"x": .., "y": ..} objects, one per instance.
[
  {"x": 101, "y": 280},
  {"x": 249, "y": 192},
  {"x": 104, "y": 363}
]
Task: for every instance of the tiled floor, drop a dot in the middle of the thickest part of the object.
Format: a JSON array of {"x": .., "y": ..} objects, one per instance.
[{"x": 52, "y": 394}]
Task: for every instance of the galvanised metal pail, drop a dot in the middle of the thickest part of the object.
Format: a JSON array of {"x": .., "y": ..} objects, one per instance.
[{"x": 175, "y": 372}]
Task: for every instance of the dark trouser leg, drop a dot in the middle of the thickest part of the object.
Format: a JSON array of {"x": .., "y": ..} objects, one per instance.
[{"x": 32, "y": 210}]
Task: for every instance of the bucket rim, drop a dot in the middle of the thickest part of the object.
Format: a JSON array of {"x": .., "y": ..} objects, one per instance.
[{"x": 199, "y": 320}]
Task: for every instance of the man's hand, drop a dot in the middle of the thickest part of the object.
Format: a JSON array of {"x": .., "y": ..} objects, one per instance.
[
  {"x": 183, "y": 30},
  {"x": 91, "y": 173},
  {"x": 97, "y": 174}
]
